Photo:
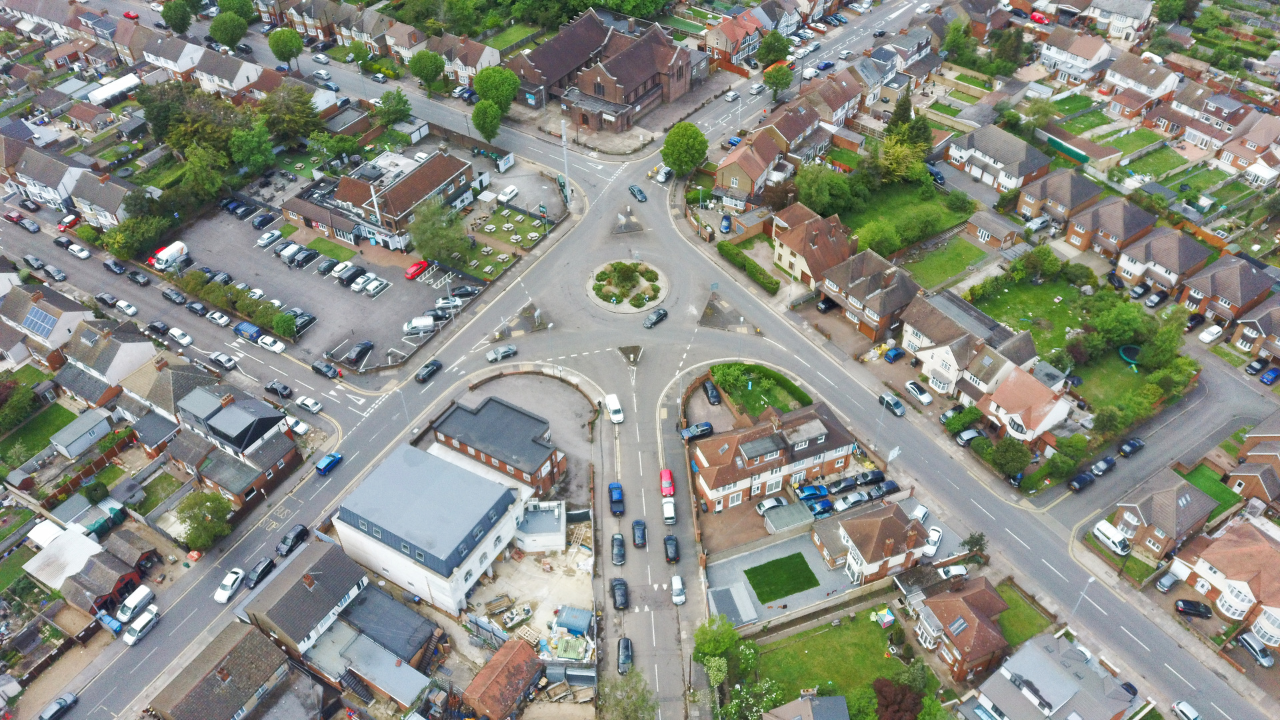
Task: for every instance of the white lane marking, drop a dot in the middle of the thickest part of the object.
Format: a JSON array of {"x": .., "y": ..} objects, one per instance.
[
  {"x": 801, "y": 360},
  {"x": 1215, "y": 707},
  {"x": 984, "y": 510},
  {"x": 144, "y": 659},
  {"x": 1104, "y": 612},
  {"x": 305, "y": 385},
  {"x": 824, "y": 377},
  {"x": 1175, "y": 672},
  {"x": 1135, "y": 639},
  {"x": 1054, "y": 569},
  {"x": 188, "y": 617},
  {"x": 1015, "y": 537}
]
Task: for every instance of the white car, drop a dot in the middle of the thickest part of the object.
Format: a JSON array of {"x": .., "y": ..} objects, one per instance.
[
  {"x": 951, "y": 571},
  {"x": 508, "y": 193},
  {"x": 448, "y": 303},
  {"x": 79, "y": 252},
  {"x": 212, "y": 12},
  {"x": 917, "y": 391},
  {"x": 320, "y": 58},
  {"x": 757, "y": 88},
  {"x": 180, "y": 337},
  {"x": 376, "y": 102},
  {"x": 298, "y": 427},
  {"x": 1211, "y": 333},
  {"x": 272, "y": 344},
  {"x": 229, "y": 585},
  {"x": 809, "y": 73},
  {"x": 218, "y": 319},
  {"x": 359, "y": 285},
  {"x": 126, "y": 308},
  {"x": 924, "y": 9},
  {"x": 225, "y": 361},
  {"x": 769, "y": 503},
  {"x": 803, "y": 52},
  {"x": 269, "y": 238},
  {"x": 339, "y": 269},
  {"x": 731, "y": 96},
  {"x": 846, "y": 54},
  {"x": 277, "y": 304},
  {"x": 376, "y": 286},
  {"x": 818, "y": 26},
  {"x": 145, "y": 623},
  {"x": 935, "y": 539},
  {"x": 256, "y": 294},
  {"x": 157, "y": 7},
  {"x": 1184, "y": 711},
  {"x": 309, "y": 405}
]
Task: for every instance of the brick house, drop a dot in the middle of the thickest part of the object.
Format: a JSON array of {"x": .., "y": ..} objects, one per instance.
[
  {"x": 1026, "y": 409},
  {"x": 46, "y": 317},
  {"x": 390, "y": 203},
  {"x": 808, "y": 245},
  {"x": 993, "y": 230},
  {"x": 1183, "y": 111},
  {"x": 881, "y": 543},
  {"x": 1161, "y": 522},
  {"x": 463, "y": 57},
  {"x": 229, "y": 678},
  {"x": 1164, "y": 259},
  {"x": 99, "y": 356},
  {"x": 404, "y": 41},
  {"x": 734, "y": 39},
  {"x": 960, "y": 627},
  {"x": 745, "y": 170},
  {"x": 1258, "y": 332},
  {"x": 871, "y": 291},
  {"x": 1060, "y": 195},
  {"x": 1257, "y": 480},
  {"x": 800, "y": 446},
  {"x": 834, "y": 97},
  {"x": 1074, "y": 58},
  {"x": 509, "y": 438},
  {"x": 319, "y": 18},
  {"x": 1109, "y": 227},
  {"x": 792, "y": 126},
  {"x": 89, "y": 117},
  {"x": 997, "y": 158},
  {"x": 1238, "y": 572},
  {"x": 1227, "y": 290},
  {"x": 99, "y": 199},
  {"x": 963, "y": 351},
  {"x": 1256, "y": 152},
  {"x": 325, "y": 222},
  {"x": 503, "y": 685},
  {"x": 368, "y": 27},
  {"x": 636, "y": 75}
]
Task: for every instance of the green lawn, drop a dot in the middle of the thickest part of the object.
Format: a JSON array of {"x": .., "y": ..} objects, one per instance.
[
  {"x": 1021, "y": 621},
  {"x": 945, "y": 109},
  {"x": 1156, "y": 163},
  {"x": 1195, "y": 183},
  {"x": 1072, "y": 104},
  {"x": 963, "y": 97},
  {"x": 1031, "y": 307},
  {"x": 35, "y": 435},
  {"x": 1061, "y": 163},
  {"x": 286, "y": 230},
  {"x": 11, "y": 567},
  {"x": 680, "y": 24},
  {"x": 1233, "y": 443},
  {"x": 974, "y": 81},
  {"x": 1133, "y": 567},
  {"x": 1135, "y": 140},
  {"x": 332, "y": 249},
  {"x": 157, "y": 491},
  {"x": 30, "y": 375},
  {"x": 751, "y": 241},
  {"x": 14, "y": 517},
  {"x": 1086, "y": 122},
  {"x": 1232, "y": 192},
  {"x": 781, "y": 578},
  {"x": 944, "y": 263},
  {"x": 110, "y": 475},
  {"x": 1233, "y": 358},
  {"x": 845, "y": 157},
  {"x": 510, "y": 35},
  {"x": 1211, "y": 483},
  {"x": 1108, "y": 378},
  {"x": 891, "y": 202},
  {"x": 163, "y": 174}
]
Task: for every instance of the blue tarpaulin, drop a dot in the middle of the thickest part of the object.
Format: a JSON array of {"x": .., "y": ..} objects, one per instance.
[{"x": 576, "y": 620}]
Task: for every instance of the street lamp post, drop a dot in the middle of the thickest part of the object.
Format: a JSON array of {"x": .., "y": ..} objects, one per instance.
[{"x": 1082, "y": 594}]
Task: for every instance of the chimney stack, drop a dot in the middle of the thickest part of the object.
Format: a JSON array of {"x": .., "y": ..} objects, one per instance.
[
  {"x": 224, "y": 674},
  {"x": 309, "y": 581},
  {"x": 888, "y": 547},
  {"x": 36, "y": 296},
  {"x": 911, "y": 538},
  {"x": 102, "y": 179},
  {"x": 227, "y": 399},
  {"x": 631, "y": 25},
  {"x": 160, "y": 363}
]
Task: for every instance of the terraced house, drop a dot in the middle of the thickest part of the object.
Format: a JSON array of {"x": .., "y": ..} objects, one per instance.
[
  {"x": 319, "y": 19},
  {"x": 225, "y": 75},
  {"x": 636, "y": 76},
  {"x": 51, "y": 18}
]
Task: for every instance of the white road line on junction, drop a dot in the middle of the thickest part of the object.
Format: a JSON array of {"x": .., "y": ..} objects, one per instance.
[
  {"x": 1175, "y": 672},
  {"x": 1135, "y": 639}
]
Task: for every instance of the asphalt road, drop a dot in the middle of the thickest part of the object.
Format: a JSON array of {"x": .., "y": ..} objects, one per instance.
[{"x": 585, "y": 339}]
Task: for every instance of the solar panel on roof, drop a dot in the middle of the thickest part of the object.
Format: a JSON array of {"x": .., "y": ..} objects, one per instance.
[{"x": 39, "y": 322}]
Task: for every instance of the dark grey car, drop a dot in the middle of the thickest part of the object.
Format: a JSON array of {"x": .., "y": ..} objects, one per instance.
[{"x": 619, "y": 549}]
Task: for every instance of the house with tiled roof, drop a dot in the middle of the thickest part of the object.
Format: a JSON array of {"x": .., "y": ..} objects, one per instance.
[
  {"x": 131, "y": 38},
  {"x": 872, "y": 291},
  {"x": 964, "y": 352},
  {"x": 793, "y": 127},
  {"x": 960, "y": 627},
  {"x": 386, "y": 202},
  {"x": 225, "y": 75},
  {"x": 1256, "y": 152},
  {"x": 319, "y": 19},
  {"x": 257, "y": 449},
  {"x": 1125, "y": 20},
  {"x": 1161, "y": 522},
  {"x": 100, "y": 354},
  {"x": 274, "y": 12},
  {"x": 463, "y": 57},
  {"x": 502, "y": 686},
  {"x": 327, "y": 223},
  {"x": 734, "y": 39},
  {"x": 780, "y": 15},
  {"x": 405, "y": 40},
  {"x": 305, "y": 598},
  {"x": 158, "y": 385},
  {"x": 60, "y": 19},
  {"x": 1258, "y": 332},
  {"x": 1130, "y": 72},
  {"x": 997, "y": 158},
  {"x": 507, "y": 438},
  {"x": 231, "y": 677},
  {"x": 811, "y": 706},
  {"x": 835, "y": 97},
  {"x": 548, "y": 70},
  {"x": 881, "y": 543},
  {"x": 368, "y": 26},
  {"x": 60, "y": 58},
  {"x": 1074, "y": 58},
  {"x": 748, "y": 464},
  {"x": 1128, "y": 104},
  {"x": 1109, "y": 226},
  {"x": 1220, "y": 119},
  {"x": 993, "y": 230},
  {"x": 636, "y": 75},
  {"x": 1238, "y": 572},
  {"x": 744, "y": 172},
  {"x": 1163, "y": 258},
  {"x": 1025, "y": 409},
  {"x": 1226, "y": 290},
  {"x": 808, "y": 245},
  {"x": 1174, "y": 117},
  {"x": 1060, "y": 195},
  {"x": 177, "y": 56},
  {"x": 46, "y": 317},
  {"x": 1257, "y": 480},
  {"x": 89, "y": 117},
  {"x": 46, "y": 177}
]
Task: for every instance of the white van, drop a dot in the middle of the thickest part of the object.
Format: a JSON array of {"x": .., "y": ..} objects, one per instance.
[
  {"x": 614, "y": 407},
  {"x": 286, "y": 256},
  {"x": 422, "y": 325},
  {"x": 677, "y": 590},
  {"x": 137, "y": 600},
  {"x": 1111, "y": 538},
  {"x": 143, "y": 625},
  {"x": 668, "y": 511}
]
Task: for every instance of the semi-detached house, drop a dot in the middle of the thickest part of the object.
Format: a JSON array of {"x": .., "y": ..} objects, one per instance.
[
  {"x": 1227, "y": 289},
  {"x": 1150, "y": 80},
  {"x": 780, "y": 15},
  {"x": 1258, "y": 332},
  {"x": 225, "y": 75},
  {"x": 1257, "y": 152},
  {"x": 881, "y": 543},
  {"x": 463, "y": 57},
  {"x": 1109, "y": 226},
  {"x": 808, "y": 245},
  {"x": 872, "y": 292},
  {"x": 997, "y": 158},
  {"x": 177, "y": 56},
  {"x": 1163, "y": 259},
  {"x": 46, "y": 317},
  {"x": 744, "y": 172},
  {"x": 99, "y": 356},
  {"x": 1123, "y": 20},
  {"x": 834, "y": 97},
  {"x": 1238, "y": 572},
  {"x": 1074, "y": 58},
  {"x": 1161, "y": 522},
  {"x": 735, "y": 39}
]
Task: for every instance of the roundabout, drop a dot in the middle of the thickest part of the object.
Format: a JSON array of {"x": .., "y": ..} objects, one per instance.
[{"x": 627, "y": 287}]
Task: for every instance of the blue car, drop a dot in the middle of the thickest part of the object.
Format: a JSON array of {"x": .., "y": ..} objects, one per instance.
[
  {"x": 328, "y": 463},
  {"x": 725, "y": 224},
  {"x": 826, "y": 65},
  {"x": 733, "y": 141},
  {"x": 282, "y": 68},
  {"x": 1270, "y": 376},
  {"x": 812, "y": 492},
  {"x": 894, "y": 355},
  {"x": 817, "y": 507}
]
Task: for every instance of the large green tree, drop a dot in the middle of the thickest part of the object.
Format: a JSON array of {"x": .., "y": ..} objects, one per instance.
[
  {"x": 437, "y": 233},
  {"x": 427, "y": 67},
  {"x": 1211, "y": 18},
  {"x": 335, "y": 145},
  {"x": 684, "y": 148},
  {"x": 714, "y": 638},
  {"x": 1040, "y": 111},
  {"x": 395, "y": 108},
  {"x": 289, "y": 112},
  {"x": 778, "y": 79},
  {"x": 135, "y": 236},
  {"x": 901, "y": 112},
  {"x": 203, "y": 178},
  {"x": 285, "y": 43},
  {"x": 240, "y": 8},
  {"x": 228, "y": 28},
  {"x": 626, "y": 697},
  {"x": 749, "y": 700},
  {"x": 251, "y": 147},
  {"x": 164, "y": 105},
  {"x": 498, "y": 84},
  {"x": 487, "y": 118},
  {"x": 204, "y": 515},
  {"x": 177, "y": 15},
  {"x": 822, "y": 189},
  {"x": 773, "y": 47}
]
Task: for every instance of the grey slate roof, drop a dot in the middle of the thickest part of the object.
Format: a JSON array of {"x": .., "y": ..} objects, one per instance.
[
  {"x": 249, "y": 660},
  {"x": 1132, "y": 67},
  {"x": 81, "y": 425},
  {"x": 932, "y": 322},
  {"x": 293, "y": 607},
  {"x": 978, "y": 323},
  {"x": 80, "y": 383},
  {"x": 1233, "y": 278},
  {"x": 1017, "y": 156},
  {"x": 998, "y": 225},
  {"x": 166, "y": 380},
  {"x": 1115, "y": 216},
  {"x": 1063, "y": 676},
  {"x": 96, "y": 343},
  {"x": 228, "y": 472},
  {"x": 497, "y": 428},
  {"x": 154, "y": 428},
  {"x": 1019, "y": 349},
  {"x": 271, "y": 450},
  {"x": 190, "y": 448},
  {"x": 218, "y": 65},
  {"x": 1265, "y": 318},
  {"x": 127, "y": 546},
  {"x": 44, "y": 168},
  {"x": 1065, "y": 187},
  {"x": 1171, "y": 249},
  {"x": 390, "y": 623},
  {"x": 107, "y": 195},
  {"x": 169, "y": 48},
  {"x": 874, "y": 282},
  {"x": 1178, "y": 508}
]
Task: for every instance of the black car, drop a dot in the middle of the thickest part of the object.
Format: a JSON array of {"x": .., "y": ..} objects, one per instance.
[
  {"x": 869, "y": 477},
  {"x": 114, "y": 266},
  {"x": 1081, "y": 481},
  {"x": 139, "y": 278},
  {"x": 1115, "y": 281},
  {"x": 311, "y": 40},
  {"x": 60, "y": 706},
  {"x": 304, "y": 257},
  {"x": 275, "y": 387},
  {"x": 637, "y": 193},
  {"x": 109, "y": 300},
  {"x": 639, "y": 533},
  {"x": 32, "y": 262},
  {"x": 619, "y": 547},
  {"x": 53, "y": 273},
  {"x": 244, "y": 48},
  {"x": 292, "y": 540},
  {"x": 878, "y": 34},
  {"x": 160, "y": 24},
  {"x": 751, "y": 63},
  {"x": 655, "y": 317},
  {"x": 1257, "y": 366},
  {"x": 158, "y": 327},
  {"x": 245, "y": 211},
  {"x": 1131, "y": 447},
  {"x": 62, "y": 241},
  {"x": 1193, "y": 608},
  {"x": 263, "y": 220},
  {"x": 620, "y": 600},
  {"x": 1020, "y": 13},
  {"x": 27, "y": 205},
  {"x": 843, "y": 485},
  {"x": 327, "y": 44},
  {"x": 209, "y": 38},
  {"x": 197, "y": 307},
  {"x": 1103, "y": 466},
  {"x": 323, "y": 368},
  {"x": 888, "y": 487},
  {"x": 326, "y": 265},
  {"x": 826, "y": 305},
  {"x": 624, "y": 655},
  {"x": 302, "y": 322},
  {"x": 464, "y": 291},
  {"x": 358, "y": 353},
  {"x": 1138, "y": 291},
  {"x": 174, "y": 296},
  {"x": 437, "y": 315},
  {"x": 426, "y": 371},
  {"x": 1194, "y": 321},
  {"x": 1155, "y": 300},
  {"x": 671, "y": 547},
  {"x": 259, "y": 572},
  {"x": 713, "y": 395}
]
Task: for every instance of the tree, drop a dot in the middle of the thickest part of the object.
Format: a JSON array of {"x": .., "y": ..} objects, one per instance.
[
  {"x": 285, "y": 325},
  {"x": 901, "y": 112},
  {"x": 359, "y": 52},
  {"x": 880, "y": 235},
  {"x": 177, "y": 15},
  {"x": 1166, "y": 344},
  {"x": 1009, "y": 48},
  {"x": 750, "y": 700},
  {"x": 498, "y": 84},
  {"x": 1040, "y": 111},
  {"x": 285, "y": 43},
  {"x": 228, "y": 28},
  {"x": 7, "y": 38},
  {"x": 1168, "y": 11},
  {"x": 915, "y": 676},
  {"x": 717, "y": 668},
  {"x": 335, "y": 145},
  {"x": 460, "y": 16},
  {"x": 1108, "y": 419},
  {"x": 487, "y": 118},
  {"x": 203, "y": 178},
  {"x": 252, "y": 148},
  {"x": 1010, "y": 457},
  {"x": 900, "y": 160},
  {"x": 135, "y": 236},
  {"x": 1211, "y": 18},
  {"x": 204, "y": 514},
  {"x": 975, "y": 543},
  {"x": 895, "y": 701},
  {"x": 958, "y": 201},
  {"x": 778, "y": 79},
  {"x": 627, "y": 697},
  {"x": 395, "y": 108},
  {"x": 684, "y": 149},
  {"x": 414, "y": 12},
  {"x": 773, "y": 47},
  {"x": 963, "y": 419},
  {"x": 822, "y": 189},
  {"x": 164, "y": 105},
  {"x": 242, "y": 9},
  {"x": 714, "y": 638},
  {"x": 1122, "y": 324},
  {"x": 437, "y": 232},
  {"x": 918, "y": 132},
  {"x": 136, "y": 204},
  {"x": 289, "y": 113},
  {"x": 427, "y": 67}
]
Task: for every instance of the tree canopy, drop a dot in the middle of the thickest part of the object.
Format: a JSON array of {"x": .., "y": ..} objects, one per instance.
[
  {"x": 240, "y": 8},
  {"x": 228, "y": 28},
  {"x": 395, "y": 108},
  {"x": 498, "y": 84},
  {"x": 204, "y": 514},
  {"x": 177, "y": 15},
  {"x": 426, "y": 66},
  {"x": 773, "y": 47},
  {"x": 437, "y": 232},
  {"x": 289, "y": 113},
  {"x": 285, "y": 43},
  {"x": 778, "y": 79},
  {"x": 487, "y": 119},
  {"x": 251, "y": 148},
  {"x": 684, "y": 148}
]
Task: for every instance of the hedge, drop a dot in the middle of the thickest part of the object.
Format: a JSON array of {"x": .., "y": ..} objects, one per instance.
[
  {"x": 734, "y": 254},
  {"x": 794, "y": 390}
]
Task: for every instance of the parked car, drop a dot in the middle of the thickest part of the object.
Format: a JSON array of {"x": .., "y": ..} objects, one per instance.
[
  {"x": 198, "y": 308},
  {"x": 1131, "y": 447},
  {"x": 826, "y": 65},
  {"x": 869, "y": 477},
  {"x": 625, "y": 657},
  {"x": 1115, "y": 281},
  {"x": 891, "y": 402},
  {"x": 812, "y": 492},
  {"x": 275, "y": 387},
  {"x": 53, "y": 273},
  {"x": 465, "y": 291},
  {"x": 218, "y": 319},
  {"x": 229, "y": 585},
  {"x": 259, "y": 572},
  {"x": 731, "y": 96},
  {"x": 1166, "y": 582},
  {"x": 108, "y": 300},
  {"x": 508, "y": 193},
  {"x": 174, "y": 296},
  {"x": 1269, "y": 377},
  {"x": 320, "y": 367},
  {"x": 328, "y": 463},
  {"x": 266, "y": 342},
  {"x": 266, "y": 219},
  {"x": 309, "y": 404},
  {"x": 180, "y": 337},
  {"x": 139, "y": 278},
  {"x": 618, "y": 546},
  {"x": 965, "y": 437},
  {"x": 671, "y": 548},
  {"x": 79, "y": 252},
  {"x": 358, "y": 353},
  {"x": 28, "y": 205},
  {"x": 666, "y": 483},
  {"x": 114, "y": 266},
  {"x": 1193, "y": 608},
  {"x": 726, "y": 223},
  {"x": 1253, "y": 645},
  {"x": 415, "y": 269},
  {"x": 894, "y": 355},
  {"x": 1081, "y": 481},
  {"x": 1103, "y": 466},
  {"x": 60, "y": 706},
  {"x": 1211, "y": 333},
  {"x": 769, "y": 503},
  {"x": 1256, "y": 366},
  {"x": 32, "y": 262},
  {"x": 821, "y": 507},
  {"x": 888, "y": 487},
  {"x": 1138, "y": 290},
  {"x": 126, "y": 308},
  {"x": 932, "y": 543},
  {"x": 698, "y": 430},
  {"x": 1155, "y": 300},
  {"x": 223, "y": 360},
  {"x": 1194, "y": 321},
  {"x": 68, "y": 222},
  {"x": 713, "y": 394},
  {"x": 620, "y": 599},
  {"x": 851, "y": 501}
]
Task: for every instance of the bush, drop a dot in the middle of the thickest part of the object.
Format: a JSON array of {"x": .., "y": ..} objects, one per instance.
[
  {"x": 638, "y": 301},
  {"x": 983, "y": 448},
  {"x": 95, "y": 492},
  {"x": 649, "y": 274},
  {"x": 963, "y": 419},
  {"x": 1079, "y": 275},
  {"x": 654, "y": 290},
  {"x": 602, "y": 276},
  {"x": 89, "y": 234},
  {"x": 739, "y": 259},
  {"x": 958, "y": 201}
]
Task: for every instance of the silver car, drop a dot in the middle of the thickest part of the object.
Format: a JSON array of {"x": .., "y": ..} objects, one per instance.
[{"x": 502, "y": 352}]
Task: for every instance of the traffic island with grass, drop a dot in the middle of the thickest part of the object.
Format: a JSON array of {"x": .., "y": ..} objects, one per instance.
[{"x": 631, "y": 283}]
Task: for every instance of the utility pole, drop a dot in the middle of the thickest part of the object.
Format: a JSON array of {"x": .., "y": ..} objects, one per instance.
[{"x": 564, "y": 148}]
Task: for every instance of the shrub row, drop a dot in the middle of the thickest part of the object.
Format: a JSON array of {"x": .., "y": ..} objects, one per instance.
[
  {"x": 734, "y": 254},
  {"x": 785, "y": 383}
]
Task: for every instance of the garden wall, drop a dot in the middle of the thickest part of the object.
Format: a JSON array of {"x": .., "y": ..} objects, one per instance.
[
  {"x": 945, "y": 119},
  {"x": 60, "y": 493},
  {"x": 834, "y": 600}
]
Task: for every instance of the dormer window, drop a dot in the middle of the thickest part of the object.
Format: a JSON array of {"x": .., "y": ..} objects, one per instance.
[{"x": 801, "y": 445}]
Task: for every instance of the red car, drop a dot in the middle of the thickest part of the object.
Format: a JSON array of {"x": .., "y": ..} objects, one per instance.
[
  {"x": 131, "y": 14},
  {"x": 68, "y": 222},
  {"x": 416, "y": 269},
  {"x": 1039, "y": 18},
  {"x": 668, "y": 483},
  {"x": 13, "y": 216}
]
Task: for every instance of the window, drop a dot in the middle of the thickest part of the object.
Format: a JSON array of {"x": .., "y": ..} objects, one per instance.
[
  {"x": 733, "y": 182},
  {"x": 802, "y": 445},
  {"x": 421, "y": 556},
  {"x": 820, "y": 439},
  {"x": 377, "y": 532},
  {"x": 470, "y": 451},
  {"x": 404, "y": 548},
  {"x": 270, "y": 475},
  {"x": 840, "y": 462},
  {"x": 771, "y": 456},
  {"x": 797, "y": 477},
  {"x": 477, "y": 533},
  {"x": 735, "y": 499},
  {"x": 463, "y": 549},
  {"x": 773, "y": 486},
  {"x": 280, "y": 464},
  {"x": 467, "y": 578},
  {"x": 1151, "y": 543},
  {"x": 1129, "y": 517},
  {"x": 484, "y": 558},
  {"x": 497, "y": 541},
  {"x": 364, "y": 526},
  {"x": 1160, "y": 533}
]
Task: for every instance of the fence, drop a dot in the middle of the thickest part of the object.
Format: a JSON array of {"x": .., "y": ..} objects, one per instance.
[
  {"x": 519, "y": 43},
  {"x": 60, "y": 493},
  {"x": 860, "y": 591}
]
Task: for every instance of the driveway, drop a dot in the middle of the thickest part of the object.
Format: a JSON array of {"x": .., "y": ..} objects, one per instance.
[{"x": 961, "y": 180}]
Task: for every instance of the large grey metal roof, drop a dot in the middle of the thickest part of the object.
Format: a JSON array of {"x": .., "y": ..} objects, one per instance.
[{"x": 498, "y": 428}]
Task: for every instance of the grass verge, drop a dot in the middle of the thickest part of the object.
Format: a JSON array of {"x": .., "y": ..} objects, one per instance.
[
  {"x": 944, "y": 263},
  {"x": 332, "y": 249}
]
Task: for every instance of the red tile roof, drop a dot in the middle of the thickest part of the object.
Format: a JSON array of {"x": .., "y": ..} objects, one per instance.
[{"x": 495, "y": 691}]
